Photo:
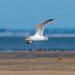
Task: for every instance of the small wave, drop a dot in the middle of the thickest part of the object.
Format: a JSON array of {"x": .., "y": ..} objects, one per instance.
[
  {"x": 61, "y": 35},
  {"x": 11, "y": 34},
  {"x": 23, "y": 34}
]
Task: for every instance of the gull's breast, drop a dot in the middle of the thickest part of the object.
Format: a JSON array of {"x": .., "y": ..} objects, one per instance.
[{"x": 37, "y": 38}]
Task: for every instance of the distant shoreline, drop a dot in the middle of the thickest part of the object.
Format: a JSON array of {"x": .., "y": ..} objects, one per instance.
[{"x": 35, "y": 50}]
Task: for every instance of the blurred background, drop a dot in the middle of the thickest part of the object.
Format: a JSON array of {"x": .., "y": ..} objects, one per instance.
[{"x": 18, "y": 18}]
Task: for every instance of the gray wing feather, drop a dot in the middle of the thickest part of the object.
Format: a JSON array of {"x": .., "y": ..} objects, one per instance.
[{"x": 39, "y": 27}]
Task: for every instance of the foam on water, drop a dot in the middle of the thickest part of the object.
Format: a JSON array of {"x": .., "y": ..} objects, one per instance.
[{"x": 23, "y": 34}]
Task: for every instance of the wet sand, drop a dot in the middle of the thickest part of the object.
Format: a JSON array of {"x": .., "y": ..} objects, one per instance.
[
  {"x": 36, "y": 73},
  {"x": 37, "y": 63}
]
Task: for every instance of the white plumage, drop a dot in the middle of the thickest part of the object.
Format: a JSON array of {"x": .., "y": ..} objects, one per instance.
[{"x": 38, "y": 36}]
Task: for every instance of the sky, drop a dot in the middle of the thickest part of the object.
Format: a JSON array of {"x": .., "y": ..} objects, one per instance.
[{"x": 26, "y": 14}]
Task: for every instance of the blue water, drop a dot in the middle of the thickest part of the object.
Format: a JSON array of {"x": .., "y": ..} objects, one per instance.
[{"x": 51, "y": 43}]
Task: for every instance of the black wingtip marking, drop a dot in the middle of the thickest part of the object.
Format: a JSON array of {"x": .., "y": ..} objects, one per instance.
[{"x": 51, "y": 19}]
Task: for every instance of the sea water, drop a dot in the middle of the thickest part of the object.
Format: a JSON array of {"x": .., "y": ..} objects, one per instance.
[{"x": 52, "y": 43}]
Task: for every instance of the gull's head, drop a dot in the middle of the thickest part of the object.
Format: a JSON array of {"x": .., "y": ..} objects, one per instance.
[{"x": 27, "y": 40}]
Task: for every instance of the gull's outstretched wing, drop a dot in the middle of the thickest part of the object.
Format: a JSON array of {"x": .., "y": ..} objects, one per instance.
[{"x": 39, "y": 27}]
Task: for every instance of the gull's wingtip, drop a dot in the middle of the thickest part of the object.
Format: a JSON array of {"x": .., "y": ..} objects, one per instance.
[{"x": 51, "y": 19}]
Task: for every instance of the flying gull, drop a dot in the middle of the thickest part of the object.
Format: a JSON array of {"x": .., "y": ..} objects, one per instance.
[{"x": 38, "y": 36}]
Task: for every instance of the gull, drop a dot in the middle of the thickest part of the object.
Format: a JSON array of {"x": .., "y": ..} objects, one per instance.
[{"x": 38, "y": 36}]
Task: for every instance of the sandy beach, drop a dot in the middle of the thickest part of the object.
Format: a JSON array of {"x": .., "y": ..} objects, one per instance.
[{"x": 37, "y": 63}]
